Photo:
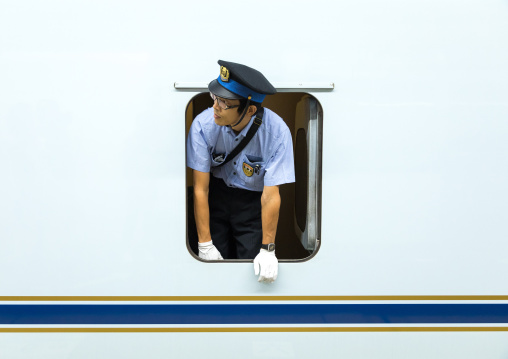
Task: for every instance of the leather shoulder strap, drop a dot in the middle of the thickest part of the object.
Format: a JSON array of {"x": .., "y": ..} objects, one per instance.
[{"x": 252, "y": 131}]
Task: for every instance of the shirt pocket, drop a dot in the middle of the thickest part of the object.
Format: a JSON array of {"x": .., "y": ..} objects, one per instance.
[
  {"x": 252, "y": 171},
  {"x": 220, "y": 158},
  {"x": 214, "y": 165}
]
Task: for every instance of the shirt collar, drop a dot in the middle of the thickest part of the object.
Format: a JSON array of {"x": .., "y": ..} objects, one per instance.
[{"x": 242, "y": 133}]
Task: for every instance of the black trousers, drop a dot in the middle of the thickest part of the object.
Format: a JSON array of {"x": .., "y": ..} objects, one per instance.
[{"x": 235, "y": 221}]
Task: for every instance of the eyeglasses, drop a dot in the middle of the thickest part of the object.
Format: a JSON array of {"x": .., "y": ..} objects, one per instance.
[{"x": 221, "y": 102}]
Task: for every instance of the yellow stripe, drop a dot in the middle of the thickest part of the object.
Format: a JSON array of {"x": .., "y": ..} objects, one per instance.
[
  {"x": 245, "y": 298},
  {"x": 253, "y": 330}
]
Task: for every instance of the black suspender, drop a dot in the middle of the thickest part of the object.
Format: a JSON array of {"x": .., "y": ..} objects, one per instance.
[{"x": 252, "y": 131}]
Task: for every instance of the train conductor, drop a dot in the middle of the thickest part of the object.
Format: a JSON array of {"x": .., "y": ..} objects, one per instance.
[{"x": 240, "y": 153}]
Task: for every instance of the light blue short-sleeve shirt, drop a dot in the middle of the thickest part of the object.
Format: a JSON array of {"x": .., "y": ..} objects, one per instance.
[{"x": 266, "y": 161}]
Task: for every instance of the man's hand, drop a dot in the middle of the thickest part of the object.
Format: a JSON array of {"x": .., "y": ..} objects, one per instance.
[
  {"x": 208, "y": 251},
  {"x": 266, "y": 265}
]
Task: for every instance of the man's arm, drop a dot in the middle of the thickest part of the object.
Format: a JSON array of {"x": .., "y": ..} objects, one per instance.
[
  {"x": 202, "y": 216},
  {"x": 270, "y": 205},
  {"x": 266, "y": 263},
  {"x": 201, "y": 209}
]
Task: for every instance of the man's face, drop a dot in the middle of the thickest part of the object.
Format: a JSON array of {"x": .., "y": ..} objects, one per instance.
[{"x": 226, "y": 117}]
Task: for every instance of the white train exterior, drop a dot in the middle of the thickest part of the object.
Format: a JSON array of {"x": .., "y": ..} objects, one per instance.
[{"x": 404, "y": 108}]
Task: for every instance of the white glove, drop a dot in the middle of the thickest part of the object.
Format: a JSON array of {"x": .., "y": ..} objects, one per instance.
[
  {"x": 267, "y": 264},
  {"x": 208, "y": 251}
]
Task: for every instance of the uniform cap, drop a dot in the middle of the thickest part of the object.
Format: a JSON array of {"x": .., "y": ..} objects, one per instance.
[{"x": 237, "y": 81}]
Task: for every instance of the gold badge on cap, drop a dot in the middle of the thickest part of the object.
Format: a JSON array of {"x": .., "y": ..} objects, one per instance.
[
  {"x": 248, "y": 170},
  {"x": 224, "y": 74}
]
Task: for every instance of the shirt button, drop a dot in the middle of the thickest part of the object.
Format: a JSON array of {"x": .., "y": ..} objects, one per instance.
[
  {"x": 234, "y": 173},
  {"x": 236, "y": 139},
  {"x": 234, "y": 163}
]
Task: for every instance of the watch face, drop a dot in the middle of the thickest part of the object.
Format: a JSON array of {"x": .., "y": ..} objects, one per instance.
[{"x": 271, "y": 247}]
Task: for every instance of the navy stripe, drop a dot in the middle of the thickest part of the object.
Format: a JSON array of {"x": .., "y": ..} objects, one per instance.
[{"x": 254, "y": 314}]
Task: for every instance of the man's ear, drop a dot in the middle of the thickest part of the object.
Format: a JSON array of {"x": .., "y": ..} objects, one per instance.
[{"x": 252, "y": 110}]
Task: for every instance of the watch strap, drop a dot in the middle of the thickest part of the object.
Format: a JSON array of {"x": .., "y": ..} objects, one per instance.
[{"x": 270, "y": 247}]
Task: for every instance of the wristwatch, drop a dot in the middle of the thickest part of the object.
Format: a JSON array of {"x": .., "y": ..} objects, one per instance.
[{"x": 270, "y": 247}]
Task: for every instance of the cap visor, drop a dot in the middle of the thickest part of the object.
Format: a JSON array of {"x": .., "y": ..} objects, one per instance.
[{"x": 218, "y": 90}]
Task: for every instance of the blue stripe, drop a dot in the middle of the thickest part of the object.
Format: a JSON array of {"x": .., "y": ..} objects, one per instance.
[
  {"x": 242, "y": 90},
  {"x": 254, "y": 314}
]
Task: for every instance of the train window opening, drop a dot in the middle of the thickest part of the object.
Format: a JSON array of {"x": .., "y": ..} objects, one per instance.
[{"x": 299, "y": 226}]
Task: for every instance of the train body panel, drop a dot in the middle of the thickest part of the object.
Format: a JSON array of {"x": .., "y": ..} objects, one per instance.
[{"x": 95, "y": 103}]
